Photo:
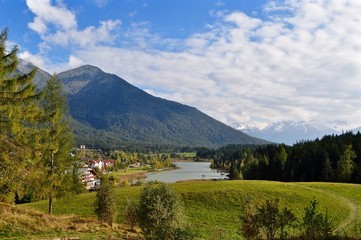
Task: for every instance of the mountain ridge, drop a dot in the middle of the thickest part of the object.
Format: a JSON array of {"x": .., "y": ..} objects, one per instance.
[
  {"x": 291, "y": 132},
  {"x": 109, "y": 112}
]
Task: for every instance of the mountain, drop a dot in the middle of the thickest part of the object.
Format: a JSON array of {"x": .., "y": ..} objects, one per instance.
[
  {"x": 109, "y": 112},
  {"x": 41, "y": 76},
  {"x": 290, "y": 132}
]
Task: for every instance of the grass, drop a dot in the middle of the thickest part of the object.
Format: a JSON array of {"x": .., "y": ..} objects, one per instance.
[
  {"x": 19, "y": 223},
  {"x": 213, "y": 208}
]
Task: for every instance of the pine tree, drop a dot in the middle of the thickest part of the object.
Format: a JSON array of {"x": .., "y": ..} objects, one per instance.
[
  {"x": 57, "y": 141},
  {"x": 19, "y": 113}
]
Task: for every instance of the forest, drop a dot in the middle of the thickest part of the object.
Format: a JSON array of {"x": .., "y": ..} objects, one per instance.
[{"x": 334, "y": 158}]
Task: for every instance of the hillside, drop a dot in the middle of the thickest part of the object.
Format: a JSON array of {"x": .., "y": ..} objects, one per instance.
[
  {"x": 19, "y": 223},
  {"x": 108, "y": 111},
  {"x": 214, "y": 208}
]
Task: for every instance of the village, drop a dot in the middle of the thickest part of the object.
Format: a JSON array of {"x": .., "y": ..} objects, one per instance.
[{"x": 122, "y": 168}]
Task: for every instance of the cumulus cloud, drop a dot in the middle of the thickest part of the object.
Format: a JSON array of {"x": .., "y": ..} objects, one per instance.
[
  {"x": 57, "y": 25},
  {"x": 46, "y": 13},
  {"x": 34, "y": 59},
  {"x": 301, "y": 62}
]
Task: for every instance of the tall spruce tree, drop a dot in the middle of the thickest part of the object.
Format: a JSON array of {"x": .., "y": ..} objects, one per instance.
[
  {"x": 19, "y": 114},
  {"x": 57, "y": 142}
]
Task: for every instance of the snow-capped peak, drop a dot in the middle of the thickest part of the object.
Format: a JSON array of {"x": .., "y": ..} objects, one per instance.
[{"x": 290, "y": 132}]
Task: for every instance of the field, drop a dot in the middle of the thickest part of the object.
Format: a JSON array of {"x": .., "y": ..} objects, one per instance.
[{"x": 213, "y": 208}]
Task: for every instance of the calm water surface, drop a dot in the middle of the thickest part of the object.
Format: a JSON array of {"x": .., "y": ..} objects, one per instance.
[{"x": 187, "y": 171}]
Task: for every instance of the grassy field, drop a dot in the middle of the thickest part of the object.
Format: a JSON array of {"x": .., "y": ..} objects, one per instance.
[{"x": 213, "y": 208}]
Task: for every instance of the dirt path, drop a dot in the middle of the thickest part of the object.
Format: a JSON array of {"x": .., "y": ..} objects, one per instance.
[{"x": 351, "y": 218}]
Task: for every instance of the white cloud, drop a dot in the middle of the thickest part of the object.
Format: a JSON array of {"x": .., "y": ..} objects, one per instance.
[
  {"x": 65, "y": 32},
  {"x": 46, "y": 13},
  {"x": 34, "y": 59},
  {"x": 301, "y": 63},
  {"x": 75, "y": 62}
]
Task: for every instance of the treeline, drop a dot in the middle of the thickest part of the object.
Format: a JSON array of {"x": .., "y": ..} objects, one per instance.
[
  {"x": 35, "y": 135},
  {"x": 334, "y": 158}
]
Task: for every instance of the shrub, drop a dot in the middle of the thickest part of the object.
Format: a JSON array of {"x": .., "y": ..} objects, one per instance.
[
  {"x": 160, "y": 214},
  {"x": 130, "y": 212},
  {"x": 315, "y": 225},
  {"x": 104, "y": 205},
  {"x": 267, "y": 218},
  {"x": 250, "y": 227}
]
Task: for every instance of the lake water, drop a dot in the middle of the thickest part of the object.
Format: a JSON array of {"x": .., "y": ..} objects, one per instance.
[{"x": 187, "y": 171}]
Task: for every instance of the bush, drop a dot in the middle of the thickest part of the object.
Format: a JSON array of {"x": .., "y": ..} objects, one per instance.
[
  {"x": 267, "y": 218},
  {"x": 315, "y": 225},
  {"x": 250, "y": 227},
  {"x": 104, "y": 205},
  {"x": 160, "y": 214},
  {"x": 130, "y": 212}
]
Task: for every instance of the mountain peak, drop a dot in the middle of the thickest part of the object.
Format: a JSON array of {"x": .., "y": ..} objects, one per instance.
[
  {"x": 87, "y": 70},
  {"x": 76, "y": 79}
]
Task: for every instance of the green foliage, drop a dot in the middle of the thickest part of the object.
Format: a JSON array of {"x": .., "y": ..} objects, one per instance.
[
  {"x": 160, "y": 212},
  {"x": 19, "y": 135},
  {"x": 250, "y": 227},
  {"x": 333, "y": 158},
  {"x": 105, "y": 205},
  {"x": 268, "y": 219},
  {"x": 57, "y": 141},
  {"x": 315, "y": 225},
  {"x": 234, "y": 173},
  {"x": 131, "y": 212},
  {"x": 346, "y": 164}
]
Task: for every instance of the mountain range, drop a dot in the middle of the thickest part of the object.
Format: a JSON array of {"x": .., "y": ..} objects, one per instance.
[
  {"x": 291, "y": 132},
  {"x": 108, "y": 112}
]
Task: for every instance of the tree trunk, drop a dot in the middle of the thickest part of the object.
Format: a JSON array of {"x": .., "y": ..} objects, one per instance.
[
  {"x": 50, "y": 209},
  {"x": 50, "y": 203}
]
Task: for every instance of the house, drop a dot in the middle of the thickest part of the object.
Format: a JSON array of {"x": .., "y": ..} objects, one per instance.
[
  {"x": 102, "y": 164},
  {"x": 96, "y": 164},
  {"x": 89, "y": 178},
  {"x": 108, "y": 163}
]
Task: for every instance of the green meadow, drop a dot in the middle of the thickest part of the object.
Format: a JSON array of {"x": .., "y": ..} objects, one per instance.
[{"x": 213, "y": 208}]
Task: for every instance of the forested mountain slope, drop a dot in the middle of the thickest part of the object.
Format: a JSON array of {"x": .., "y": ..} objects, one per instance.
[{"x": 110, "y": 112}]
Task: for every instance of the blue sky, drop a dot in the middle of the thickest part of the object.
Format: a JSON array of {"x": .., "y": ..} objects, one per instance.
[{"x": 236, "y": 60}]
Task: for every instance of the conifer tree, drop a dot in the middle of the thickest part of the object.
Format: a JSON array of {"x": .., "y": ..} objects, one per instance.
[
  {"x": 19, "y": 114},
  {"x": 57, "y": 141},
  {"x": 346, "y": 165},
  {"x": 105, "y": 205}
]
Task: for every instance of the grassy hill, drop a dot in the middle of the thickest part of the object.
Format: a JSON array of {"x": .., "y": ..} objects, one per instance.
[{"x": 213, "y": 208}]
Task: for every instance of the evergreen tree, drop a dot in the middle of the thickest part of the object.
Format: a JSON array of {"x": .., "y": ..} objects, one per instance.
[
  {"x": 19, "y": 114},
  {"x": 234, "y": 173},
  {"x": 346, "y": 165},
  {"x": 104, "y": 205},
  {"x": 57, "y": 142}
]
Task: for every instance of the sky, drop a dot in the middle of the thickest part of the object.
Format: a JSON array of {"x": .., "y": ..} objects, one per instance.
[{"x": 254, "y": 61}]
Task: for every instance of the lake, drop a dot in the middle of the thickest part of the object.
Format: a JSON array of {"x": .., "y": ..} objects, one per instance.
[{"x": 186, "y": 171}]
